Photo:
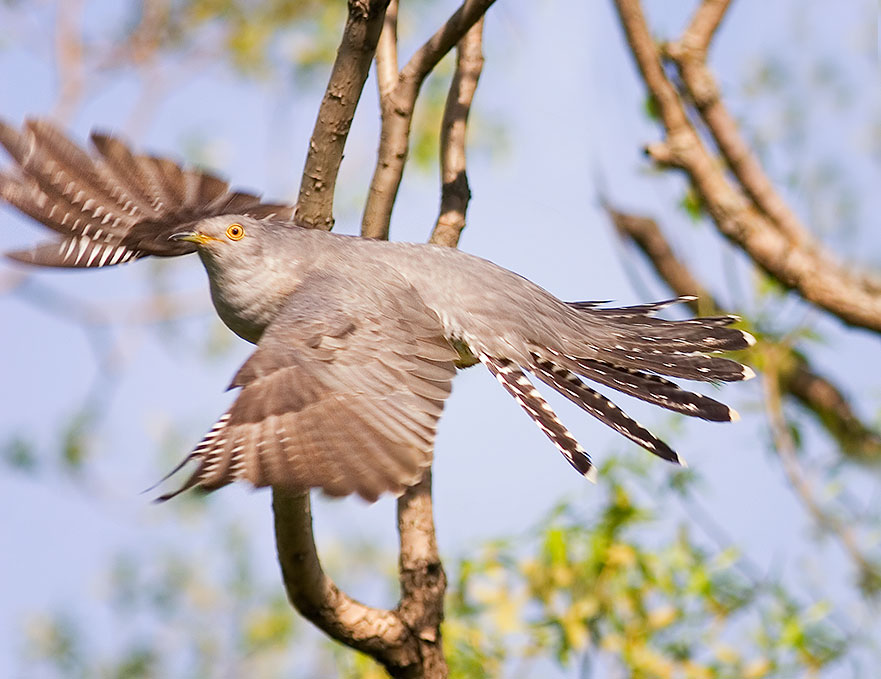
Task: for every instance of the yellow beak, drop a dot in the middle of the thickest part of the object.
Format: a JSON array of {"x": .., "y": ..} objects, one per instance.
[{"x": 193, "y": 237}]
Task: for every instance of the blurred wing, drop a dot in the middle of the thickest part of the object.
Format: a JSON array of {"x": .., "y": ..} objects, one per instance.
[
  {"x": 112, "y": 206},
  {"x": 343, "y": 393}
]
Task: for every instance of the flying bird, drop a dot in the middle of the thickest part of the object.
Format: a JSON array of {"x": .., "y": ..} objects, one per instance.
[{"x": 357, "y": 340}]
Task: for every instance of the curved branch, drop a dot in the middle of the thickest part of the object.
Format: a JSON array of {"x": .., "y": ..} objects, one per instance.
[
  {"x": 377, "y": 632},
  {"x": 350, "y": 69},
  {"x": 798, "y": 263},
  {"x": 397, "y": 115}
]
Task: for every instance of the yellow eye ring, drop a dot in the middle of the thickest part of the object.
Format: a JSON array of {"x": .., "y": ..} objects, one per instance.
[{"x": 235, "y": 231}]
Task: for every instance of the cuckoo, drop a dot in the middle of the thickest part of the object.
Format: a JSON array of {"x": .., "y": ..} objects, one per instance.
[{"x": 357, "y": 340}]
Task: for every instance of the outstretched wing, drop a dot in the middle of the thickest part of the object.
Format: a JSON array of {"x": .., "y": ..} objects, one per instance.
[
  {"x": 111, "y": 206},
  {"x": 343, "y": 393}
]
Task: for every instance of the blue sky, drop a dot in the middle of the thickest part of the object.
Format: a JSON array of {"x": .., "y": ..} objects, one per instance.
[{"x": 559, "y": 79}]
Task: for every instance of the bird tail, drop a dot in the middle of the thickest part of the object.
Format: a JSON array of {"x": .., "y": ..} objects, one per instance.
[{"x": 631, "y": 351}]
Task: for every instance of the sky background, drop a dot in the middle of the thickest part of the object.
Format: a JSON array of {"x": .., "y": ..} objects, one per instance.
[{"x": 558, "y": 108}]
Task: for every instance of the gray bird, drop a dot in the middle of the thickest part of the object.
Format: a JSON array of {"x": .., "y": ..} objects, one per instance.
[{"x": 357, "y": 340}]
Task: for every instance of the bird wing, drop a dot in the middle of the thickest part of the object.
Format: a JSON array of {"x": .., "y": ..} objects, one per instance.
[
  {"x": 343, "y": 393},
  {"x": 110, "y": 206}
]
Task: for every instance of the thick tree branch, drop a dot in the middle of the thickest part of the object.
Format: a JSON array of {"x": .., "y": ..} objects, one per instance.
[
  {"x": 381, "y": 633},
  {"x": 817, "y": 394},
  {"x": 377, "y": 632},
  {"x": 325, "y": 153},
  {"x": 397, "y": 107},
  {"x": 792, "y": 257},
  {"x": 422, "y": 577}
]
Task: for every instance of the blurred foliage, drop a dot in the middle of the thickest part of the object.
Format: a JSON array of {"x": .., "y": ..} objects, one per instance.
[
  {"x": 617, "y": 586},
  {"x": 259, "y": 35},
  {"x": 609, "y": 583}
]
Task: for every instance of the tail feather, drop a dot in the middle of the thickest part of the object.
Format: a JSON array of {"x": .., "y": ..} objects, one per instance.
[
  {"x": 569, "y": 385},
  {"x": 685, "y": 365},
  {"x": 519, "y": 386},
  {"x": 633, "y": 339},
  {"x": 655, "y": 389}
]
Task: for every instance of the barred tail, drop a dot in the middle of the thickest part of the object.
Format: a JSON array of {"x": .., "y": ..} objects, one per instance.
[{"x": 632, "y": 339}]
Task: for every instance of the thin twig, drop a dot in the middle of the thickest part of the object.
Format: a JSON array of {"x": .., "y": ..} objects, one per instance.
[
  {"x": 870, "y": 573},
  {"x": 69, "y": 50}
]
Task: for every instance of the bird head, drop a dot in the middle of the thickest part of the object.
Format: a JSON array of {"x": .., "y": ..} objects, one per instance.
[{"x": 228, "y": 240}]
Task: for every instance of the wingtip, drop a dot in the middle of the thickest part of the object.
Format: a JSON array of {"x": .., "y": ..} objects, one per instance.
[
  {"x": 733, "y": 415},
  {"x": 750, "y": 340},
  {"x": 748, "y": 373}
]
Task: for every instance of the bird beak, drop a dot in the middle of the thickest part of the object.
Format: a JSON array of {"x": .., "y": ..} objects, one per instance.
[{"x": 193, "y": 237}]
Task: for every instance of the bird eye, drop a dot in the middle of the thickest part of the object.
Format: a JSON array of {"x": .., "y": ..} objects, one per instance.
[{"x": 235, "y": 232}]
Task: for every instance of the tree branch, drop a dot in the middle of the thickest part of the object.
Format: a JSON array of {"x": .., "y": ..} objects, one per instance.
[
  {"x": 381, "y": 633},
  {"x": 350, "y": 69},
  {"x": 704, "y": 25},
  {"x": 690, "y": 54},
  {"x": 397, "y": 115},
  {"x": 817, "y": 394},
  {"x": 378, "y": 632},
  {"x": 746, "y": 218},
  {"x": 422, "y": 577},
  {"x": 455, "y": 193},
  {"x": 870, "y": 571},
  {"x": 387, "y": 52}
]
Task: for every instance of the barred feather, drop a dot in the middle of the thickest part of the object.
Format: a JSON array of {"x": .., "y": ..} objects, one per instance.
[
  {"x": 519, "y": 386},
  {"x": 655, "y": 389},
  {"x": 113, "y": 206},
  {"x": 569, "y": 385}
]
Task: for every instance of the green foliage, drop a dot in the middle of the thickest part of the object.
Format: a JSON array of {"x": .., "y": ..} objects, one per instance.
[
  {"x": 610, "y": 584},
  {"x": 691, "y": 204},
  {"x": 260, "y": 35}
]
